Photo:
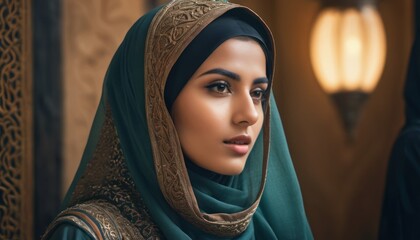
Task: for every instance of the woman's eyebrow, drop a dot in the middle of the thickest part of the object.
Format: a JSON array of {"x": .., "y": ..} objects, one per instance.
[
  {"x": 233, "y": 75},
  {"x": 223, "y": 72},
  {"x": 261, "y": 80}
]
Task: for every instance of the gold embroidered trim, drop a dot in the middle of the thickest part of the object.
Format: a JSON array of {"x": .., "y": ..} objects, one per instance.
[
  {"x": 71, "y": 219},
  {"x": 171, "y": 30},
  {"x": 100, "y": 219},
  {"x": 86, "y": 219}
]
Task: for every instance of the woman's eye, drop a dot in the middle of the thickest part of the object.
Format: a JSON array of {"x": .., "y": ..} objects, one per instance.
[
  {"x": 219, "y": 87},
  {"x": 258, "y": 94}
]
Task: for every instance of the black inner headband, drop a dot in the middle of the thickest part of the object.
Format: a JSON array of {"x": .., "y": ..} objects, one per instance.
[{"x": 223, "y": 28}]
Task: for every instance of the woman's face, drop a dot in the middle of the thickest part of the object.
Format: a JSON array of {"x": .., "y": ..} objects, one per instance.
[{"x": 218, "y": 114}]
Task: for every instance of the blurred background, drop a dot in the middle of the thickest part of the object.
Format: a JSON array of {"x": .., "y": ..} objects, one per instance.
[{"x": 54, "y": 54}]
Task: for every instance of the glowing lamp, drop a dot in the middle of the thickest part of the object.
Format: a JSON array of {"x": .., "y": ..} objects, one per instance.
[{"x": 347, "y": 50}]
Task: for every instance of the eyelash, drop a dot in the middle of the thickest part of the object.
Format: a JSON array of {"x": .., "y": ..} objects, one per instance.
[
  {"x": 220, "y": 87},
  {"x": 215, "y": 85}
]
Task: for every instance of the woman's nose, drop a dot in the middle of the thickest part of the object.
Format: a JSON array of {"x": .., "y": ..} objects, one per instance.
[{"x": 245, "y": 111}]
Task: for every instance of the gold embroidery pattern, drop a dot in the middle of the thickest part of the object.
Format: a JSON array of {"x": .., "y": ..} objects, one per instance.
[
  {"x": 112, "y": 224},
  {"x": 105, "y": 214},
  {"x": 107, "y": 181},
  {"x": 78, "y": 222},
  {"x": 171, "y": 30}
]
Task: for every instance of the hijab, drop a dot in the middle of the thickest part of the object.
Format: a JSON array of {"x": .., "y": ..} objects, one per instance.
[
  {"x": 263, "y": 201},
  {"x": 227, "y": 26}
]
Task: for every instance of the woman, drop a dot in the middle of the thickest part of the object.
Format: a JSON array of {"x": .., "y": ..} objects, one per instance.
[{"x": 177, "y": 148}]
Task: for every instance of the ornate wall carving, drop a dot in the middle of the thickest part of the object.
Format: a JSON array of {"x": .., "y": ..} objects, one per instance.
[
  {"x": 15, "y": 120},
  {"x": 92, "y": 31}
]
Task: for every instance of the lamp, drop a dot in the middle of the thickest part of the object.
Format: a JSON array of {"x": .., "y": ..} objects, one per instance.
[{"x": 347, "y": 50}]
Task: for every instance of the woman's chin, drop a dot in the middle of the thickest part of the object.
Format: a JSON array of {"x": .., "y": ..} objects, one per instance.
[{"x": 229, "y": 170}]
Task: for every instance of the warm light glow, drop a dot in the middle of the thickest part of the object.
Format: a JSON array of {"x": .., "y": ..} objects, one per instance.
[{"x": 348, "y": 49}]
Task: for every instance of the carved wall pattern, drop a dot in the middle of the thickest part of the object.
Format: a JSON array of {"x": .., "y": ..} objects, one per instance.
[
  {"x": 92, "y": 32},
  {"x": 15, "y": 120}
]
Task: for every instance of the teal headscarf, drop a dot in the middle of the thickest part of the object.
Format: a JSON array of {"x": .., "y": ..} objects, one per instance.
[{"x": 186, "y": 204}]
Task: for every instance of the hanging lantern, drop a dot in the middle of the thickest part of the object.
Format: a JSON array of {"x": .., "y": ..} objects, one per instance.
[{"x": 347, "y": 50}]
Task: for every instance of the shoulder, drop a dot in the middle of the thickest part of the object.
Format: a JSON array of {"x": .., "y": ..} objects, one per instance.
[{"x": 98, "y": 219}]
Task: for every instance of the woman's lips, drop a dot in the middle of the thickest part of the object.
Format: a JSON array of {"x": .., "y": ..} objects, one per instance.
[{"x": 239, "y": 144}]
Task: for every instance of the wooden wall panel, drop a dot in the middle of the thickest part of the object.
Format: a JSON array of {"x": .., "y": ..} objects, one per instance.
[
  {"x": 16, "y": 177},
  {"x": 92, "y": 31}
]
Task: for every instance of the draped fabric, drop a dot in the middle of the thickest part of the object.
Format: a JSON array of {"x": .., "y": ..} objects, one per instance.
[
  {"x": 400, "y": 217},
  {"x": 263, "y": 202}
]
